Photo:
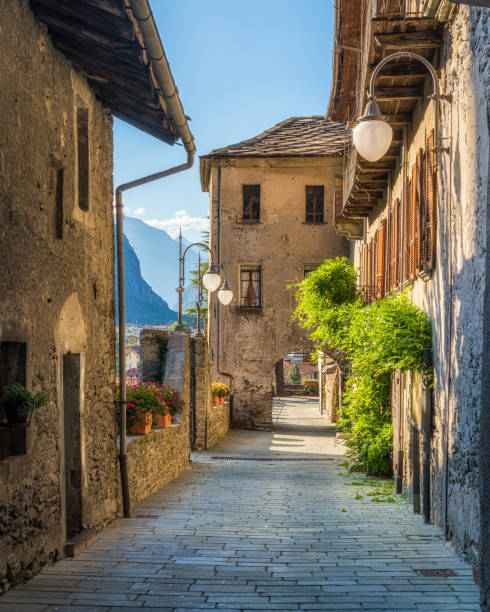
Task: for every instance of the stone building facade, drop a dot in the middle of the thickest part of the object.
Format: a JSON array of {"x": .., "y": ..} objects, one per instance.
[
  {"x": 271, "y": 201},
  {"x": 59, "y": 85},
  {"x": 418, "y": 220}
]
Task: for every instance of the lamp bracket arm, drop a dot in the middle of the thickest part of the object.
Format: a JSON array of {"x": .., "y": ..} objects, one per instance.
[
  {"x": 411, "y": 54},
  {"x": 201, "y": 244}
]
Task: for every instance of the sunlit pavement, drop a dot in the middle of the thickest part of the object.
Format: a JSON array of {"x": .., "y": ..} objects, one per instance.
[{"x": 273, "y": 524}]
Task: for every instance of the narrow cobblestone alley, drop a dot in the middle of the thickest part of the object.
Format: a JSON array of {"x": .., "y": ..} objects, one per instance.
[{"x": 286, "y": 533}]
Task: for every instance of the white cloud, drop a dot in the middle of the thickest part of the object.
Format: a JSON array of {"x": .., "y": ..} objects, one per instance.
[
  {"x": 180, "y": 219},
  {"x": 139, "y": 212}
]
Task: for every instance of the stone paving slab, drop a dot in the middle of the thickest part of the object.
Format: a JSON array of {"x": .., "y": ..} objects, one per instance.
[{"x": 242, "y": 535}]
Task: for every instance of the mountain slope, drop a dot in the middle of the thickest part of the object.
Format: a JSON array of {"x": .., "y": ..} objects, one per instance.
[
  {"x": 143, "y": 305},
  {"x": 158, "y": 254}
]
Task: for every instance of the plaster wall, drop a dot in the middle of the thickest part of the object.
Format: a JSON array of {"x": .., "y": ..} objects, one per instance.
[
  {"x": 283, "y": 244},
  {"x": 56, "y": 294},
  {"x": 454, "y": 296}
]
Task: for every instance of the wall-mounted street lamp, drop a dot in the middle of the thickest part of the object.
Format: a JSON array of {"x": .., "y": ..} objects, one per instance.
[
  {"x": 211, "y": 281},
  {"x": 372, "y": 135}
]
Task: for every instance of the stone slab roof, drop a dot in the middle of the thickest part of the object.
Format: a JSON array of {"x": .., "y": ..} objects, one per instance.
[
  {"x": 305, "y": 136},
  {"x": 295, "y": 137}
]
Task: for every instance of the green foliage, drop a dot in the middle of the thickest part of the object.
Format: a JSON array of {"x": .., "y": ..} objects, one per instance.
[
  {"x": 25, "y": 400},
  {"x": 375, "y": 340},
  {"x": 293, "y": 377}
]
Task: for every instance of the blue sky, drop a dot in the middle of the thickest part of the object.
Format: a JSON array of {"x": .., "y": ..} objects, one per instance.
[{"x": 240, "y": 66}]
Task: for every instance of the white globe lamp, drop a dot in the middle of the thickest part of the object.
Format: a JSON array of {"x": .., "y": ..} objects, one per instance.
[
  {"x": 212, "y": 279},
  {"x": 225, "y": 294},
  {"x": 372, "y": 135}
]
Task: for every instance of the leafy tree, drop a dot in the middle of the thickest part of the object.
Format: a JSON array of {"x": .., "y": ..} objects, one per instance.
[{"x": 294, "y": 377}]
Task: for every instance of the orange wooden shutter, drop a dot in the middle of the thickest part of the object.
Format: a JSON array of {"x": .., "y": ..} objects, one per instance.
[
  {"x": 419, "y": 211},
  {"x": 381, "y": 251},
  {"x": 430, "y": 204},
  {"x": 412, "y": 217},
  {"x": 396, "y": 243},
  {"x": 406, "y": 232}
]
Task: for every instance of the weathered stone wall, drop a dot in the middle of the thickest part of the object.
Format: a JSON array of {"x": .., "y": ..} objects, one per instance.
[
  {"x": 211, "y": 422},
  {"x": 454, "y": 297},
  {"x": 56, "y": 294},
  {"x": 331, "y": 395},
  {"x": 157, "y": 458},
  {"x": 253, "y": 340},
  {"x": 218, "y": 423}
]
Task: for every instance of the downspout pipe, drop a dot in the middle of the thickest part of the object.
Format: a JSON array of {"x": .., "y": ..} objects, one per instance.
[{"x": 142, "y": 12}]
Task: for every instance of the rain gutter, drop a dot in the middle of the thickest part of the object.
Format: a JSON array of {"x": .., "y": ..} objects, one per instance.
[{"x": 161, "y": 69}]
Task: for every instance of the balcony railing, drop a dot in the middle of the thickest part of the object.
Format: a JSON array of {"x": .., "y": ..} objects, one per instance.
[{"x": 400, "y": 8}]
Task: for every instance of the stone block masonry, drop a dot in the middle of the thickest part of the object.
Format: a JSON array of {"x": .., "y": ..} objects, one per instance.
[
  {"x": 211, "y": 422},
  {"x": 157, "y": 458}
]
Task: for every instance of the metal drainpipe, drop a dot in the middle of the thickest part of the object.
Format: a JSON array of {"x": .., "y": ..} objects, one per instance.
[
  {"x": 399, "y": 467},
  {"x": 218, "y": 310},
  {"x": 142, "y": 12}
]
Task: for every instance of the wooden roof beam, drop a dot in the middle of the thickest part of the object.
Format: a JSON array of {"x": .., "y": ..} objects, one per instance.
[
  {"x": 394, "y": 94},
  {"x": 426, "y": 39}
]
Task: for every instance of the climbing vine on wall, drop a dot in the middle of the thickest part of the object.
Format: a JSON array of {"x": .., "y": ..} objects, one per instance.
[{"x": 374, "y": 340}]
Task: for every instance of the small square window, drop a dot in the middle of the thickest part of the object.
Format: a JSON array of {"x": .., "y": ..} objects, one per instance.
[
  {"x": 309, "y": 268},
  {"x": 314, "y": 203},
  {"x": 251, "y": 287},
  {"x": 251, "y": 203}
]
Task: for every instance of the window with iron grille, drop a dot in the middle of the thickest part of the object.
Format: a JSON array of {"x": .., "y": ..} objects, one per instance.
[
  {"x": 314, "y": 203},
  {"x": 251, "y": 203},
  {"x": 251, "y": 287}
]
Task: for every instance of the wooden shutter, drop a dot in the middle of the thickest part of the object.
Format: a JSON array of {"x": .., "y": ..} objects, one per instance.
[
  {"x": 411, "y": 222},
  {"x": 419, "y": 208},
  {"x": 380, "y": 263},
  {"x": 365, "y": 268},
  {"x": 406, "y": 231},
  {"x": 389, "y": 245},
  {"x": 430, "y": 192},
  {"x": 397, "y": 242}
]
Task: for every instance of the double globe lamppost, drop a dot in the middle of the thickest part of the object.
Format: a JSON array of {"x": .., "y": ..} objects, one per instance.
[{"x": 211, "y": 281}]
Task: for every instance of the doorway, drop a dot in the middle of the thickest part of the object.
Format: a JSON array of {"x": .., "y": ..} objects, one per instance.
[{"x": 72, "y": 444}]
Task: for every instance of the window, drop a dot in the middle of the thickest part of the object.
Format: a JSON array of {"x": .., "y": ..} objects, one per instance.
[
  {"x": 314, "y": 203},
  {"x": 309, "y": 268},
  {"x": 429, "y": 206},
  {"x": 251, "y": 287},
  {"x": 83, "y": 158},
  {"x": 58, "y": 213},
  {"x": 251, "y": 203},
  {"x": 13, "y": 440}
]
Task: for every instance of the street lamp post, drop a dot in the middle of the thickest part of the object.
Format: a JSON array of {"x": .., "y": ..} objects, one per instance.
[
  {"x": 199, "y": 297},
  {"x": 211, "y": 281}
]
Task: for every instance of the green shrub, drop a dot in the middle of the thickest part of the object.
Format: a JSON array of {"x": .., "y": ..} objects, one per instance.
[{"x": 375, "y": 340}]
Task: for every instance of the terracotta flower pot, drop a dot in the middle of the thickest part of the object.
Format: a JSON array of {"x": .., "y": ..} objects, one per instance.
[
  {"x": 164, "y": 421},
  {"x": 142, "y": 426},
  {"x": 216, "y": 400},
  {"x": 221, "y": 400}
]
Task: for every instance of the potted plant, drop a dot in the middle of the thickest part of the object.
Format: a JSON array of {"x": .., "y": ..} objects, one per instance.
[
  {"x": 18, "y": 403},
  {"x": 141, "y": 403},
  {"x": 220, "y": 392},
  {"x": 311, "y": 387},
  {"x": 173, "y": 402}
]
